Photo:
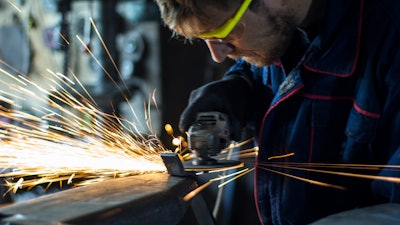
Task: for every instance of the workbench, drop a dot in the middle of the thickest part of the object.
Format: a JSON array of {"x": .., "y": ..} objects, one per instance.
[{"x": 141, "y": 200}]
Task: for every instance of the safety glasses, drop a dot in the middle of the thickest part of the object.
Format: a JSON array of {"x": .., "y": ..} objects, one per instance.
[{"x": 226, "y": 29}]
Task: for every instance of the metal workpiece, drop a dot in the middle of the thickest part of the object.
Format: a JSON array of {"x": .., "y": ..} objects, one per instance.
[
  {"x": 174, "y": 164},
  {"x": 141, "y": 200}
]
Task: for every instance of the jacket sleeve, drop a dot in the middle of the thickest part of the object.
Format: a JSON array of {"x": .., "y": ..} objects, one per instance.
[
  {"x": 262, "y": 96},
  {"x": 386, "y": 73}
]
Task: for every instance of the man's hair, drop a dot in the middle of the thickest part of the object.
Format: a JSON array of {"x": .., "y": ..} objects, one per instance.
[{"x": 175, "y": 13}]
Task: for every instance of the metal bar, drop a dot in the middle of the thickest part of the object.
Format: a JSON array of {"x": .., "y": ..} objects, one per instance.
[
  {"x": 143, "y": 199},
  {"x": 201, "y": 211}
]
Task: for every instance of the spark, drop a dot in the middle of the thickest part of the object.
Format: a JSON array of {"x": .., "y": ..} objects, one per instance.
[
  {"x": 305, "y": 179},
  {"x": 10, "y": 76},
  {"x": 242, "y": 154},
  {"x": 240, "y": 174},
  {"x": 109, "y": 55},
  {"x": 96, "y": 60},
  {"x": 104, "y": 44},
  {"x": 196, "y": 191},
  {"x": 67, "y": 138},
  {"x": 179, "y": 142},
  {"x": 15, "y": 6},
  {"x": 281, "y": 156},
  {"x": 64, "y": 38},
  {"x": 75, "y": 149},
  {"x": 347, "y": 174},
  {"x": 309, "y": 167},
  {"x": 51, "y": 161}
]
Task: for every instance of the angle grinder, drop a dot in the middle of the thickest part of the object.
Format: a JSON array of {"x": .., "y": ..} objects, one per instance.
[{"x": 207, "y": 137}]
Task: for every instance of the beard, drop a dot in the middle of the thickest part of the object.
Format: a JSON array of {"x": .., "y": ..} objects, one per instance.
[
  {"x": 270, "y": 43},
  {"x": 269, "y": 55}
]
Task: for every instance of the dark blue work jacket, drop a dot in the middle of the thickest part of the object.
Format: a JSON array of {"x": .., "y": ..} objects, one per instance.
[{"x": 339, "y": 106}]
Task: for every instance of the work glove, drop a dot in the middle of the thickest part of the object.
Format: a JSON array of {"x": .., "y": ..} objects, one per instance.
[{"x": 233, "y": 95}]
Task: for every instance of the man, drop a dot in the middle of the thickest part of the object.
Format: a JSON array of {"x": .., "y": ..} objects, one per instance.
[{"x": 320, "y": 79}]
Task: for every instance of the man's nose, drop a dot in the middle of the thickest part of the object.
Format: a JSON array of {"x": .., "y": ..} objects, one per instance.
[{"x": 219, "y": 51}]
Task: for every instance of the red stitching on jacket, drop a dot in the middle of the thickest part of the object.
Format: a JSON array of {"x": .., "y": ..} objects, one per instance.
[
  {"x": 355, "y": 58},
  {"x": 356, "y": 107},
  {"x": 365, "y": 112}
]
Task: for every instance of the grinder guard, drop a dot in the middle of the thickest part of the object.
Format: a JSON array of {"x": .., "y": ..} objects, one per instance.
[{"x": 208, "y": 136}]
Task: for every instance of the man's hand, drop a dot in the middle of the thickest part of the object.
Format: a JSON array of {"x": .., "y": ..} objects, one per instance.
[{"x": 232, "y": 96}]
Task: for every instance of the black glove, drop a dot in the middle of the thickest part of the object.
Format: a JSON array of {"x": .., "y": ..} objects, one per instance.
[{"x": 232, "y": 96}]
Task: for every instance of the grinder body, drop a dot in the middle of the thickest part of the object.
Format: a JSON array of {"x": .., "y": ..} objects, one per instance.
[{"x": 208, "y": 136}]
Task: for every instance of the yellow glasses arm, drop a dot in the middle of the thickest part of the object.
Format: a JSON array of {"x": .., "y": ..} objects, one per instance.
[{"x": 228, "y": 26}]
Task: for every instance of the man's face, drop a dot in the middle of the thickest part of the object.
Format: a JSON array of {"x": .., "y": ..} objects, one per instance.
[{"x": 260, "y": 37}]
